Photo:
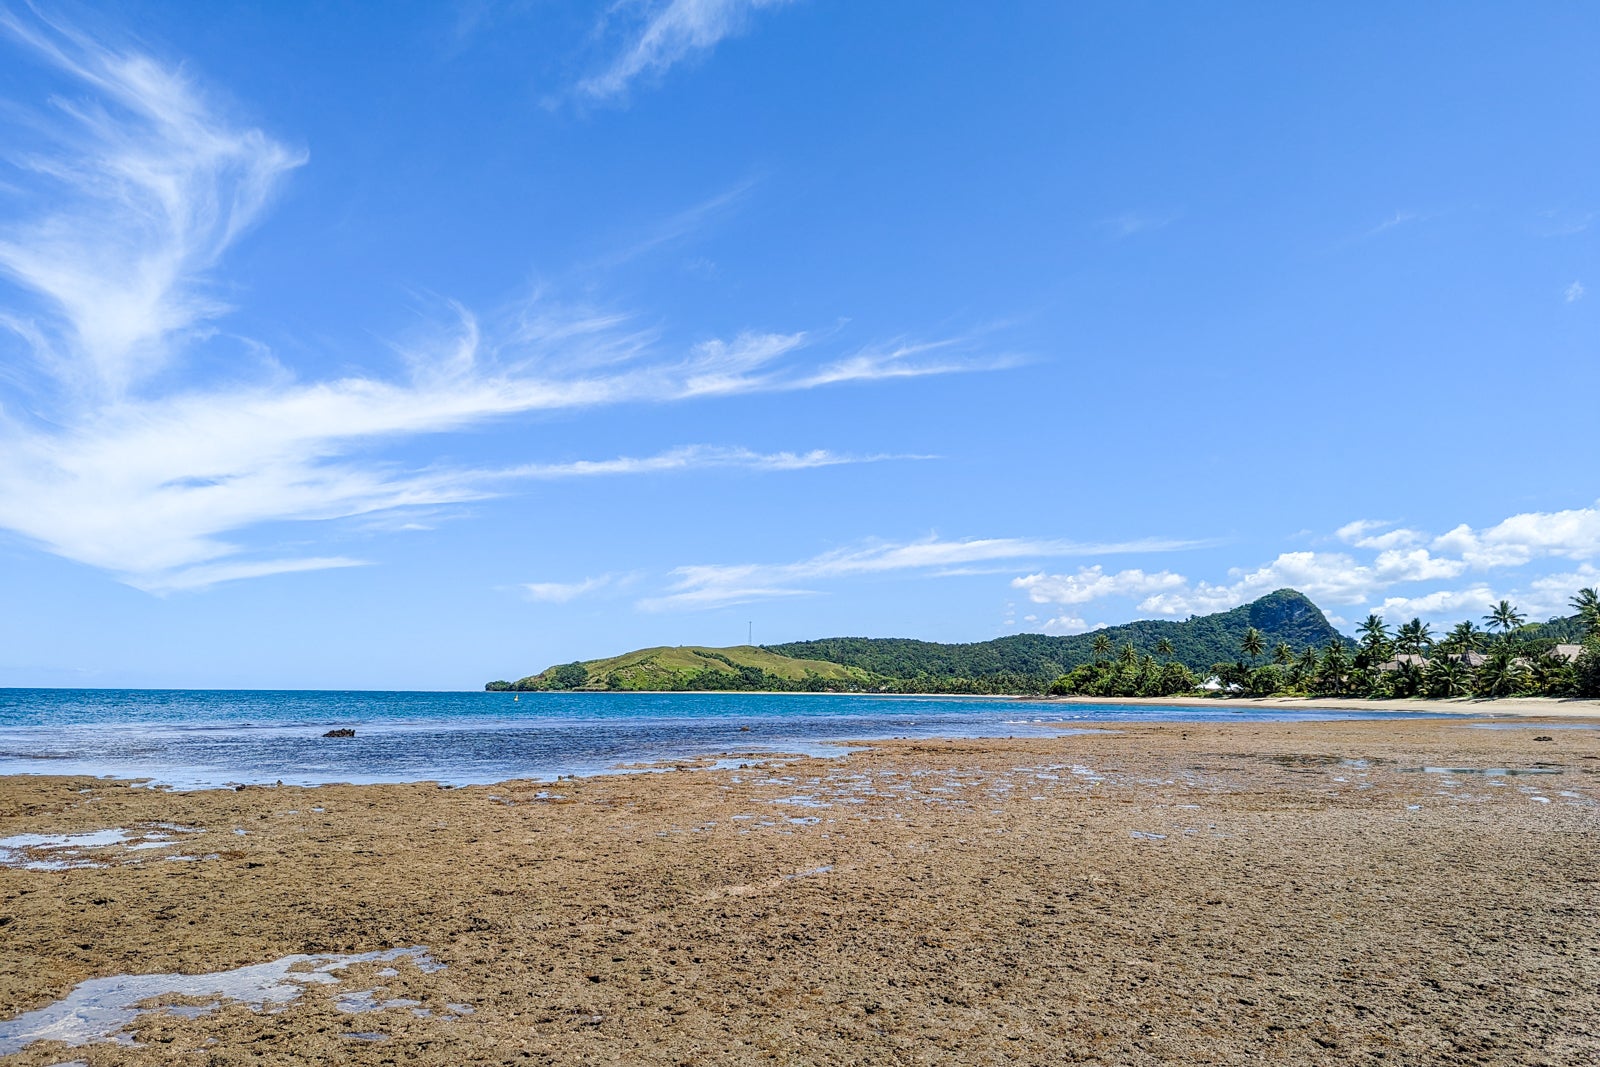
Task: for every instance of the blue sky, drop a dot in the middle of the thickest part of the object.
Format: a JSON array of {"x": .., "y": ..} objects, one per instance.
[{"x": 413, "y": 347}]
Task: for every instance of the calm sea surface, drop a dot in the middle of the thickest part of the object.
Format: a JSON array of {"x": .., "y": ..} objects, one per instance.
[{"x": 201, "y": 738}]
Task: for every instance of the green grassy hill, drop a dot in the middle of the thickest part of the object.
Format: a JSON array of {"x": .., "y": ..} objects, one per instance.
[
  {"x": 697, "y": 668},
  {"x": 1018, "y": 664}
]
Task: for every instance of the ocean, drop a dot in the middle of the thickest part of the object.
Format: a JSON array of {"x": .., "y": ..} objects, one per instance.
[{"x": 195, "y": 739}]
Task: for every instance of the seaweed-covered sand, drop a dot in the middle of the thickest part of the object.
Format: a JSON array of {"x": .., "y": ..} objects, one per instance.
[{"x": 1237, "y": 893}]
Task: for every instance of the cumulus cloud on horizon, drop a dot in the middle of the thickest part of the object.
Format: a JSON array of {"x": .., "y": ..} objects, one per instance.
[{"x": 1396, "y": 556}]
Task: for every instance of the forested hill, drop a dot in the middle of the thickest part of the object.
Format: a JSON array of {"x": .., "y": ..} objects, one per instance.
[
  {"x": 1034, "y": 663},
  {"x": 1286, "y": 615}
]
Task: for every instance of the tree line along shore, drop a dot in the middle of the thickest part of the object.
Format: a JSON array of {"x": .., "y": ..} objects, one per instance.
[{"x": 1279, "y": 645}]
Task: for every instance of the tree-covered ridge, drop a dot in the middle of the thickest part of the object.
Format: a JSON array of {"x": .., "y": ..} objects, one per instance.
[
  {"x": 1285, "y": 616},
  {"x": 1508, "y": 657},
  {"x": 1279, "y": 644},
  {"x": 1022, "y": 663}
]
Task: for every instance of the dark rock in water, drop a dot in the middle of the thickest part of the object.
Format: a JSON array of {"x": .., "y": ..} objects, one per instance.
[
  {"x": 744, "y": 729},
  {"x": 343, "y": 731}
]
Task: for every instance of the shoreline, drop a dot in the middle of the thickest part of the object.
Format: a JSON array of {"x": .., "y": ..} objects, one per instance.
[
  {"x": 1511, "y": 707},
  {"x": 1507, "y": 707}
]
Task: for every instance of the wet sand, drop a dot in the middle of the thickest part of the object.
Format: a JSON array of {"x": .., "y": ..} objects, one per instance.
[{"x": 1188, "y": 894}]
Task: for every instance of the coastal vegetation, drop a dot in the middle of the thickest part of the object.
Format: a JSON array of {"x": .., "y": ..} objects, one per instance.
[
  {"x": 1279, "y": 645},
  {"x": 1505, "y": 657},
  {"x": 1031, "y": 662},
  {"x": 1021, "y": 663}
]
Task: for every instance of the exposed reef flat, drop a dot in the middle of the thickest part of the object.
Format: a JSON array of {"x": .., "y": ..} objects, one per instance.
[{"x": 1304, "y": 893}]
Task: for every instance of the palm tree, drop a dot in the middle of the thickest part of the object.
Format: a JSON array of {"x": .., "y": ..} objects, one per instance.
[
  {"x": 1306, "y": 669},
  {"x": 1506, "y": 619},
  {"x": 1587, "y": 604},
  {"x": 1129, "y": 655},
  {"x": 1502, "y": 674},
  {"x": 1282, "y": 654},
  {"x": 1374, "y": 640},
  {"x": 1464, "y": 639},
  {"x": 1251, "y": 643},
  {"x": 1102, "y": 646},
  {"x": 1164, "y": 647},
  {"x": 1448, "y": 677},
  {"x": 1415, "y": 637},
  {"x": 1334, "y": 663}
]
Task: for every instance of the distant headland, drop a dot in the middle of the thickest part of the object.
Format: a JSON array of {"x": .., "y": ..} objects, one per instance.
[{"x": 1281, "y": 644}]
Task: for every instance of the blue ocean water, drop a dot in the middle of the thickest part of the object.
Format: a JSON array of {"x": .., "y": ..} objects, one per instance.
[{"x": 190, "y": 739}]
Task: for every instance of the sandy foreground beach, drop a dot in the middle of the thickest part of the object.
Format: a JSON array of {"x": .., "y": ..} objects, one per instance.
[{"x": 1185, "y": 894}]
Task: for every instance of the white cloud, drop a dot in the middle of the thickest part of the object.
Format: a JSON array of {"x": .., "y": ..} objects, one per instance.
[
  {"x": 1564, "y": 222},
  {"x": 1414, "y": 565},
  {"x": 1453, "y": 604},
  {"x": 1352, "y": 532},
  {"x": 1574, "y": 292},
  {"x": 718, "y": 585},
  {"x": 1571, "y": 534},
  {"x": 1399, "y": 218},
  {"x": 696, "y": 457},
  {"x": 147, "y": 490},
  {"x": 1065, "y": 624},
  {"x": 1551, "y": 594},
  {"x": 205, "y": 576},
  {"x": 145, "y": 186},
  {"x": 1399, "y": 557},
  {"x": 1092, "y": 583},
  {"x": 561, "y": 592},
  {"x": 1539, "y": 599},
  {"x": 675, "y": 31},
  {"x": 1323, "y": 576},
  {"x": 679, "y": 226},
  {"x": 1363, "y": 533}
]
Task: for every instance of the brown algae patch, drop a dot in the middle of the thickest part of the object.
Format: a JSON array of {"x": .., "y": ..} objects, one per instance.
[{"x": 1231, "y": 893}]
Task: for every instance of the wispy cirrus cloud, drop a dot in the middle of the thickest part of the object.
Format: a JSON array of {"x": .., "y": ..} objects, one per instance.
[
  {"x": 148, "y": 489},
  {"x": 562, "y": 592},
  {"x": 147, "y": 184},
  {"x": 1564, "y": 221},
  {"x": 127, "y": 459},
  {"x": 678, "y": 226},
  {"x": 697, "y": 457},
  {"x": 1395, "y": 221},
  {"x": 671, "y": 33},
  {"x": 719, "y": 585}
]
